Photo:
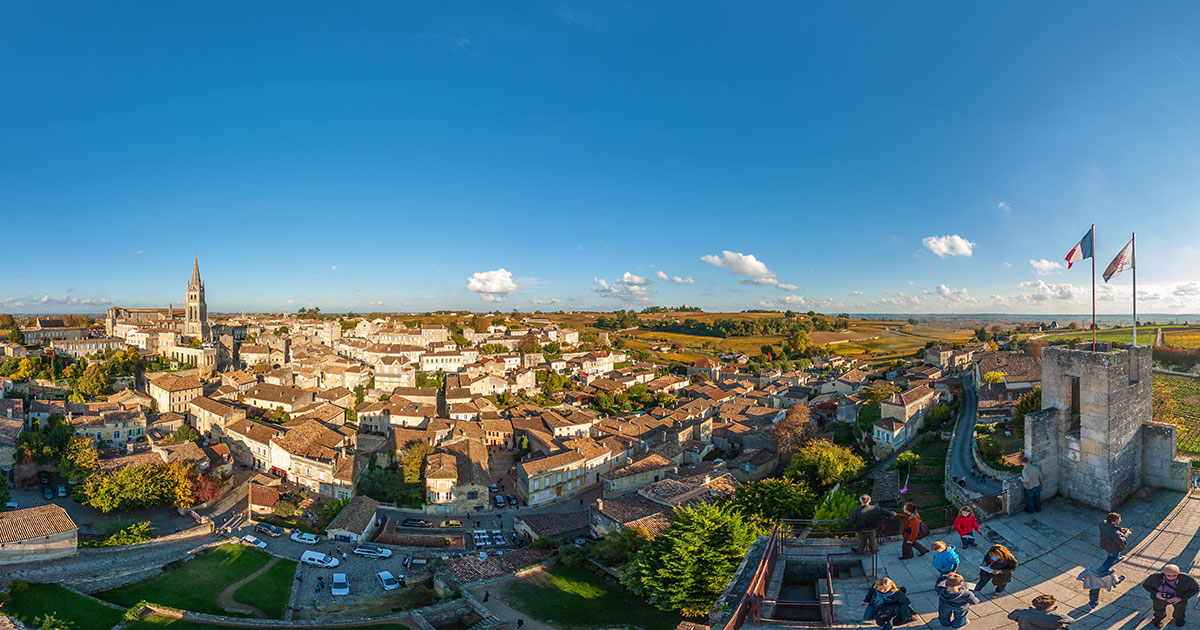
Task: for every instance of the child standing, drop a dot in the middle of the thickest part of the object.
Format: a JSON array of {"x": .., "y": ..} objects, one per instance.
[
  {"x": 1095, "y": 580},
  {"x": 953, "y": 601},
  {"x": 997, "y": 568},
  {"x": 945, "y": 558},
  {"x": 966, "y": 526}
]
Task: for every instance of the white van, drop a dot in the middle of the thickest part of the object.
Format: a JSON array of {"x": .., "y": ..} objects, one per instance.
[{"x": 318, "y": 559}]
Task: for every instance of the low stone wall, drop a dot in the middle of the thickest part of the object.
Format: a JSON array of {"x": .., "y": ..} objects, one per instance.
[{"x": 998, "y": 475}]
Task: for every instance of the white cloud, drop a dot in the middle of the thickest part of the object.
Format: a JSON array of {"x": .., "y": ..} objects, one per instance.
[
  {"x": 1004, "y": 206},
  {"x": 1007, "y": 265},
  {"x": 661, "y": 275},
  {"x": 291, "y": 301},
  {"x": 333, "y": 268},
  {"x": 946, "y": 294},
  {"x": 621, "y": 290},
  {"x": 1040, "y": 291},
  {"x": 358, "y": 288},
  {"x": 140, "y": 251},
  {"x": 547, "y": 301},
  {"x": 1187, "y": 289},
  {"x": 739, "y": 264},
  {"x": 630, "y": 278},
  {"x": 1043, "y": 266},
  {"x": 676, "y": 279},
  {"x": 493, "y": 286},
  {"x": 950, "y": 245},
  {"x": 856, "y": 293}
]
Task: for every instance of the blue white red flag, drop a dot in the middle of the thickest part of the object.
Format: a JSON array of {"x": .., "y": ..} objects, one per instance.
[{"x": 1082, "y": 249}]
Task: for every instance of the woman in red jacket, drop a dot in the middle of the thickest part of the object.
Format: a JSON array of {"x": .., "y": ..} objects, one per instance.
[
  {"x": 910, "y": 532},
  {"x": 966, "y": 526}
]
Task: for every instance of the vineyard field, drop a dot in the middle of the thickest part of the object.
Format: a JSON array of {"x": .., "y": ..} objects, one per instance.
[
  {"x": 1182, "y": 339},
  {"x": 1145, "y": 336},
  {"x": 1177, "y": 401}
]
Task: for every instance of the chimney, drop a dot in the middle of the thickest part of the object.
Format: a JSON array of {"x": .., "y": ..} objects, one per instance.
[{"x": 599, "y": 505}]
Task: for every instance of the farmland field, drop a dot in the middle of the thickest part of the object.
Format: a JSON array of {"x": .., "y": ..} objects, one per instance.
[
  {"x": 1120, "y": 335},
  {"x": 1181, "y": 338},
  {"x": 1177, "y": 401}
]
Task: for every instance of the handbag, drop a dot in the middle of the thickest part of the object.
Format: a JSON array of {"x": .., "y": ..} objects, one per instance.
[{"x": 923, "y": 531}]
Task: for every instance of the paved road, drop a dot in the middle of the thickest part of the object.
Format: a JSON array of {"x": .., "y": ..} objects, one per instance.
[{"x": 961, "y": 461}]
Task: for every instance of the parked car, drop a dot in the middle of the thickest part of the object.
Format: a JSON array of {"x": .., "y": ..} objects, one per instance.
[
  {"x": 416, "y": 522},
  {"x": 451, "y": 524},
  {"x": 269, "y": 529},
  {"x": 253, "y": 541},
  {"x": 498, "y": 500},
  {"x": 495, "y": 488},
  {"x": 371, "y": 551},
  {"x": 318, "y": 559},
  {"x": 512, "y": 500},
  {"x": 11, "y": 505},
  {"x": 47, "y": 492},
  {"x": 62, "y": 491},
  {"x": 339, "y": 585},
  {"x": 305, "y": 538},
  {"x": 44, "y": 477},
  {"x": 387, "y": 581}
]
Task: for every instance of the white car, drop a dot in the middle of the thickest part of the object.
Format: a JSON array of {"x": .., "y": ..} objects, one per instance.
[
  {"x": 253, "y": 542},
  {"x": 306, "y": 539},
  {"x": 318, "y": 559},
  {"x": 387, "y": 581},
  {"x": 372, "y": 551},
  {"x": 339, "y": 585}
]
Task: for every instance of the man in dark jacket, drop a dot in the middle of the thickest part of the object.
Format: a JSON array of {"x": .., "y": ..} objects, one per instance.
[
  {"x": 1113, "y": 540},
  {"x": 1169, "y": 586},
  {"x": 864, "y": 520},
  {"x": 1041, "y": 616}
]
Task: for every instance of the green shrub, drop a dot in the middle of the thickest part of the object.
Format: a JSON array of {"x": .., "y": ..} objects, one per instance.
[
  {"x": 17, "y": 585},
  {"x": 542, "y": 543},
  {"x": 572, "y": 555}
]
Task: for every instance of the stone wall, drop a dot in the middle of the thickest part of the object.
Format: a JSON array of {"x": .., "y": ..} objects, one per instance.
[{"x": 1161, "y": 465}]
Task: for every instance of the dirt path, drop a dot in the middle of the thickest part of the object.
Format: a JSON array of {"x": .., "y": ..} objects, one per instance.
[
  {"x": 502, "y": 609},
  {"x": 225, "y": 599}
]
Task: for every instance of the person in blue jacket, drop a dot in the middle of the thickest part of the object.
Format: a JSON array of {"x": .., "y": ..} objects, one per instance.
[
  {"x": 945, "y": 558},
  {"x": 953, "y": 600}
]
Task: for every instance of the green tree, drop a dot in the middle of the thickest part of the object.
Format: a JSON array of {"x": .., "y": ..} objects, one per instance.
[
  {"x": 620, "y": 546},
  {"x": 771, "y": 500},
  {"x": 1028, "y": 403},
  {"x": 938, "y": 415},
  {"x": 5, "y": 492},
  {"x": 185, "y": 433},
  {"x": 688, "y": 566},
  {"x": 80, "y": 459},
  {"x": 878, "y": 391},
  {"x": 906, "y": 460},
  {"x": 822, "y": 464},
  {"x": 835, "y": 506},
  {"x": 51, "y": 622},
  {"x": 15, "y": 335},
  {"x": 94, "y": 381},
  {"x": 529, "y": 343}
]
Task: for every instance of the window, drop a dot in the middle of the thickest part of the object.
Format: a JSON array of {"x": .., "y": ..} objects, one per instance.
[
  {"x": 559, "y": 479},
  {"x": 1073, "y": 413}
]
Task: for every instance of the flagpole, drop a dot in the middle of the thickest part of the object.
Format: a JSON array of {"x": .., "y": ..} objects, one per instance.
[
  {"x": 1093, "y": 233},
  {"x": 1133, "y": 263}
]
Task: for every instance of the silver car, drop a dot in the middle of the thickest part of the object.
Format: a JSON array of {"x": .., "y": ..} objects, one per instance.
[
  {"x": 387, "y": 581},
  {"x": 371, "y": 551}
]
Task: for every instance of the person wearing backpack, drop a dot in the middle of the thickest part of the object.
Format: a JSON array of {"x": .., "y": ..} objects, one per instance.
[
  {"x": 1095, "y": 581},
  {"x": 945, "y": 558},
  {"x": 887, "y": 604},
  {"x": 966, "y": 526},
  {"x": 998, "y": 566},
  {"x": 912, "y": 531},
  {"x": 953, "y": 600}
]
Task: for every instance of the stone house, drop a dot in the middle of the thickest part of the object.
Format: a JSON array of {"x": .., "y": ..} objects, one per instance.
[
  {"x": 644, "y": 470},
  {"x": 456, "y": 478},
  {"x": 173, "y": 393},
  {"x": 550, "y": 478},
  {"x": 356, "y": 523},
  {"x": 210, "y": 416},
  {"x": 37, "y": 534}
]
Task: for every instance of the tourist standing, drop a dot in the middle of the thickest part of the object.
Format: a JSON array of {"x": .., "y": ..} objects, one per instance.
[
  {"x": 1031, "y": 479},
  {"x": 966, "y": 525},
  {"x": 1041, "y": 616},
  {"x": 945, "y": 558},
  {"x": 1095, "y": 580},
  {"x": 1169, "y": 586},
  {"x": 953, "y": 601},
  {"x": 1113, "y": 540},
  {"x": 911, "y": 531},
  {"x": 887, "y": 604},
  {"x": 997, "y": 568},
  {"x": 864, "y": 520}
]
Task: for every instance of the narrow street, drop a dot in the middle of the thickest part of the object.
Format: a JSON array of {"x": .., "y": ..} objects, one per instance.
[{"x": 961, "y": 462}]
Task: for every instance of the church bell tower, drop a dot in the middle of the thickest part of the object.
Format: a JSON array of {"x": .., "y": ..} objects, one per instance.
[{"x": 195, "y": 318}]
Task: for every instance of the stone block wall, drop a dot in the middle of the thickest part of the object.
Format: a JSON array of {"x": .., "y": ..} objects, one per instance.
[
  {"x": 1161, "y": 465},
  {"x": 1045, "y": 446}
]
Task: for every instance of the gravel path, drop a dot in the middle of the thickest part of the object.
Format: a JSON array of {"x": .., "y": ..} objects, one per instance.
[{"x": 225, "y": 598}]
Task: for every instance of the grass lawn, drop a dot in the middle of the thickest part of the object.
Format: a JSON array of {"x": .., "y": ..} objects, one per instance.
[
  {"x": 270, "y": 591},
  {"x": 42, "y": 599},
  {"x": 575, "y": 598},
  {"x": 195, "y": 585},
  {"x": 161, "y": 623}
]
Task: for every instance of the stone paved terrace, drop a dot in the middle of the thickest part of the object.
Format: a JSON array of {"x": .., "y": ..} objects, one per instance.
[{"x": 1052, "y": 547}]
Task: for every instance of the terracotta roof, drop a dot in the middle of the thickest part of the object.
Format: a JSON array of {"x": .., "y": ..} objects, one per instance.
[
  {"x": 312, "y": 439},
  {"x": 650, "y": 462},
  {"x": 265, "y": 496},
  {"x": 553, "y": 525},
  {"x": 212, "y": 406},
  {"x": 34, "y": 522},
  {"x": 257, "y": 431},
  {"x": 550, "y": 462},
  {"x": 174, "y": 383}
]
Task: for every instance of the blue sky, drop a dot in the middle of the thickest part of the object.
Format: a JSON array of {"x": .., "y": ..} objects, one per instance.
[{"x": 867, "y": 157}]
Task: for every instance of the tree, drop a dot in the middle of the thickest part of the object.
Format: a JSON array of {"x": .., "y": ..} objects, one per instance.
[
  {"x": 688, "y": 566},
  {"x": 1032, "y": 402},
  {"x": 822, "y": 464},
  {"x": 797, "y": 344},
  {"x": 938, "y": 415},
  {"x": 94, "y": 381},
  {"x": 770, "y": 500},
  {"x": 993, "y": 377},
  {"x": 906, "y": 460},
  {"x": 794, "y": 431},
  {"x": 835, "y": 506},
  {"x": 5, "y": 492},
  {"x": 206, "y": 489},
  {"x": 529, "y": 344},
  {"x": 620, "y": 546},
  {"x": 15, "y": 335},
  {"x": 185, "y": 433},
  {"x": 80, "y": 459},
  {"x": 878, "y": 391}
]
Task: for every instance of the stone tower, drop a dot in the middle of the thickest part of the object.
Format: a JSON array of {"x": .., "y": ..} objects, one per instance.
[
  {"x": 1094, "y": 438},
  {"x": 195, "y": 317}
]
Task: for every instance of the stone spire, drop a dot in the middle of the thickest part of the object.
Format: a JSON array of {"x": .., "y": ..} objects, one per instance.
[{"x": 195, "y": 283}]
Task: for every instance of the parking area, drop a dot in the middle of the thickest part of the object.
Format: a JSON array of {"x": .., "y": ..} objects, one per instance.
[{"x": 90, "y": 521}]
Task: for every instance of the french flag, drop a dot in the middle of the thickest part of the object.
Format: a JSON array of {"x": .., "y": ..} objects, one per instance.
[{"x": 1082, "y": 249}]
